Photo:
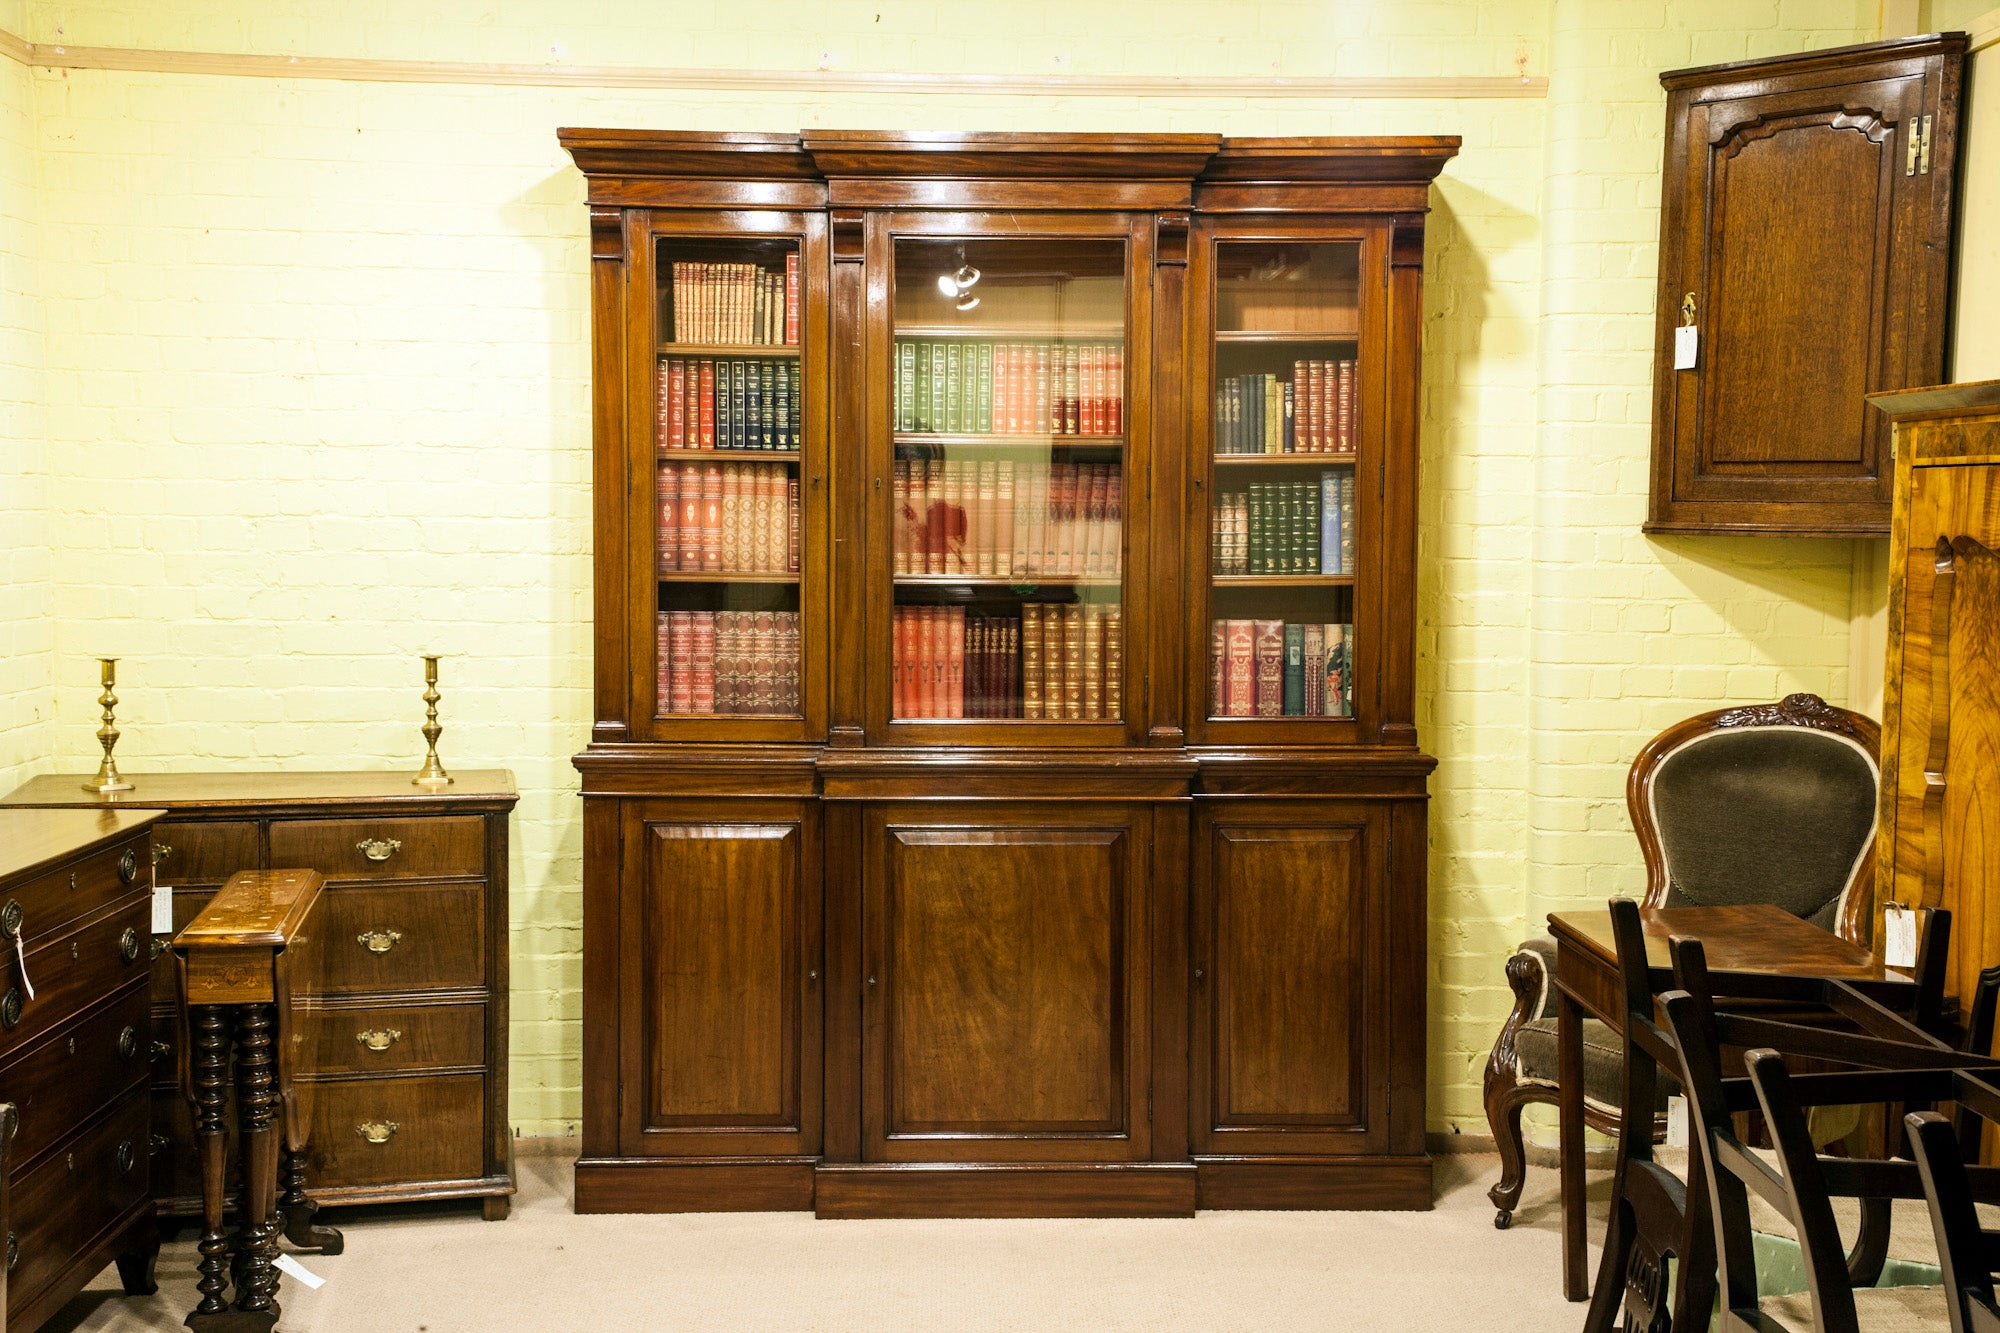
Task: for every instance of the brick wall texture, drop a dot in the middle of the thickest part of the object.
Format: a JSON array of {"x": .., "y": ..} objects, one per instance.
[{"x": 294, "y": 378}]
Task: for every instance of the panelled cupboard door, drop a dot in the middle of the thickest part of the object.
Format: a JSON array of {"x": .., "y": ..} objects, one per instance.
[
  {"x": 719, "y": 958},
  {"x": 1291, "y": 946},
  {"x": 1805, "y": 236},
  {"x": 1006, "y": 988}
]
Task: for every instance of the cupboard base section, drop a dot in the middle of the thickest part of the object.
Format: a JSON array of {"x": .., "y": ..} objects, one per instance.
[
  {"x": 1348, "y": 1184},
  {"x": 675, "y": 1185},
  {"x": 1007, "y": 1189}
]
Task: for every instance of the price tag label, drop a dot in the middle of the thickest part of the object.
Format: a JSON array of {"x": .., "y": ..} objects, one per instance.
[
  {"x": 163, "y": 909},
  {"x": 1685, "y": 339},
  {"x": 291, "y": 1267},
  {"x": 1677, "y": 1122},
  {"x": 1899, "y": 935}
]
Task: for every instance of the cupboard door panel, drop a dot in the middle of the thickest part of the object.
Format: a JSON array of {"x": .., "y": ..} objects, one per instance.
[
  {"x": 721, "y": 941},
  {"x": 1006, "y": 989},
  {"x": 1287, "y": 1024}
]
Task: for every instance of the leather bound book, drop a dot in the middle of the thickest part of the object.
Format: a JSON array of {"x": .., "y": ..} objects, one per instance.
[
  {"x": 899, "y": 659},
  {"x": 733, "y": 513},
  {"x": 792, "y": 296},
  {"x": 792, "y": 546},
  {"x": 954, "y": 660},
  {"x": 1347, "y": 407},
  {"x": 706, "y": 399},
  {"x": 729, "y": 666},
  {"x": 1114, "y": 662},
  {"x": 1116, "y": 424},
  {"x": 1093, "y": 663},
  {"x": 667, "y": 514},
  {"x": 1313, "y": 643},
  {"x": 1034, "y": 524},
  {"x": 1270, "y": 663},
  {"x": 1031, "y": 660},
  {"x": 1062, "y": 519},
  {"x": 960, "y": 493},
  {"x": 1240, "y": 698},
  {"x": 954, "y": 416},
  {"x": 1295, "y": 671},
  {"x": 1071, "y": 391},
  {"x": 934, "y": 515},
  {"x": 1045, "y": 423},
  {"x": 1073, "y": 637},
  {"x": 1006, "y": 537},
  {"x": 663, "y": 663},
  {"x": 766, "y": 659},
  {"x": 711, "y": 517},
  {"x": 701, "y": 697},
  {"x": 985, "y": 509},
  {"x": 1218, "y": 669},
  {"x": 793, "y": 667},
  {"x": 1010, "y": 652},
  {"x": 982, "y": 392},
  {"x": 1316, "y": 416},
  {"x": 936, "y": 418},
  {"x": 679, "y": 697}
]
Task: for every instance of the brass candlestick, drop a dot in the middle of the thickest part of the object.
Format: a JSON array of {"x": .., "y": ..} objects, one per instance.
[
  {"x": 108, "y": 780},
  {"x": 433, "y": 774}
]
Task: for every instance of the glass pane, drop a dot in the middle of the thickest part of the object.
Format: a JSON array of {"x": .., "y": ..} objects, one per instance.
[
  {"x": 1282, "y": 527},
  {"x": 1009, "y": 479},
  {"x": 726, "y": 437}
]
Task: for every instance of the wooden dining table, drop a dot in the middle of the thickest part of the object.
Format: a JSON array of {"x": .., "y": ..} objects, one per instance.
[{"x": 1757, "y": 938}]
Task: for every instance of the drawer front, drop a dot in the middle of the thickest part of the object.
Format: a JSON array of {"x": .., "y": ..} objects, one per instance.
[
  {"x": 187, "y": 906},
  {"x": 50, "y": 902},
  {"x": 381, "y": 848},
  {"x": 385, "y": 1131},
  {"x": 76, "y": 1192},
  {"x": 203, "y": 853},
  {"x": 74, "y": 970},
  {"x": 71, "y": 1074},
  {"x": 396, "y": 1037},
  {"x": 405, "y": 938}
]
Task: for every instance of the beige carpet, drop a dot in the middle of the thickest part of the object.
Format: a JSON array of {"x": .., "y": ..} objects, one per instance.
[{"x": 546, "y": 1269}]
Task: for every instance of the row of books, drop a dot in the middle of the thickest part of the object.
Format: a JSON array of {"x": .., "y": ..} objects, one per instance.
[
  {"x": 1311, "y": 413},
  {"x": 999, "y": 518},
  {"x": 734, "y": 518},
  {"x": 1052, "y": 662},
  {"x": 735, "y": 303},
  {"x": 732, "y": 662},
  {"x": 1268, "y": 668},
  {"x": 729, "y": 404},
  {"x": 1011, "y": 388},
  {"x": 1286, "y": 527}
]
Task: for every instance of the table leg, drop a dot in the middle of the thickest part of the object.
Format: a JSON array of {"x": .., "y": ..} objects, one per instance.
[
  {"x": 257, "y": 1123},
  {"x": 1569, "y": 1108},
  {"x": 210, "y": 1058}
]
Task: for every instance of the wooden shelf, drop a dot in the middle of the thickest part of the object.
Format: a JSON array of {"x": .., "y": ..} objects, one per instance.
[
  {"x": 729, "y": 455},
  {"x": 705, "y": 576},
  {"x": 961, "y": 440},
  {"x": 1008, "y": 581},
  {"x": 1072, "y": 333},
  {"x": 1284, "y": 460},
  {"x": 1287, "y": 335},
  {"x": 729, "y": 349},
  {"x": 683, "y": 717},
  {"x": 1283, "y": 580},
  {"x": 1015, "y": 721}
]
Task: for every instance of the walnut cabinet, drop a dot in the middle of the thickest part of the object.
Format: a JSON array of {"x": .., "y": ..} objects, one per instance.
[{"x": 1004, "y": 796}]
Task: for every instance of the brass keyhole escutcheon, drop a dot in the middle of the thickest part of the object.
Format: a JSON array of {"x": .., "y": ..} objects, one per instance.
[
  {"x": 379, "y": 1039},
  {"x": 1687, "y": 310},
  {"x": 379, "y": 941},
  {"x": 377, "y": 1131}
]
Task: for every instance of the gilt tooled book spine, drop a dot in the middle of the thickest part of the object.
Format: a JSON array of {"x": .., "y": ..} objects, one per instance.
[
  {"x": 1240, "y": 697},
  {"x": 985, "y": 511},
  {"x": 792, "y": 525},
  {"x": 711, "y": 517},
  {"x": 954, "y": 661},
  {"x": 1114, "y": 663},
  {"x": 1218, "y": 668},
  {"x": 667, "y": 514},
  {"x": 1073, "y": 664},
  {"x": 1093, "y": 663},
  {"x": 899, "y": 660},
  {"x": 933, "y": 515},
  {"x": 792, "y": 296},
  {"x": 1314, "y": 646},
  {"x": 701, "y": 658},
  {"x": 1295, "y": 671},
  {"x": 1270, "y": 658},
  {"x": 899, "y": 499},
  {"x": 732, "y": 523},
  {"x": 679, "y": 694}
]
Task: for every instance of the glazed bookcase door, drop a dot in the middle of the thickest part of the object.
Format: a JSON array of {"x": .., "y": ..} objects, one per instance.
[
  {"x": 1007, "y": 438},
  {"x": 727, "y": 442},
  {"x": 1286, "y": 399}
]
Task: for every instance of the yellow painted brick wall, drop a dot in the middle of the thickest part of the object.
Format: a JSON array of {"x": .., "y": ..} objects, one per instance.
[
  {"x": 317, "y": 400},
  {"x": 27, "y": 596}
]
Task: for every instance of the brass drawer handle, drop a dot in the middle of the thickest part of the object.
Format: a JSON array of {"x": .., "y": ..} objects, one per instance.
[
  {"x": 126, "y": 1157},
  {"x": 128, "y": 866},
  {"x": 12, "y": 918},
  {"x": 10, "y": 1007},
  {"x": 377, "y": 1131},
  {"x": 13, "y": 1251},
  {"x": 128, "y": 945},
  {"x": 378, "y": 941},
  {"x": 161, "y": 851},
  {"x": 128, "y": 1043},
  {"x": 10, "y": 1122},
  {"x": 379, "y": 1039},
  {"x": 379, "y": 849}
]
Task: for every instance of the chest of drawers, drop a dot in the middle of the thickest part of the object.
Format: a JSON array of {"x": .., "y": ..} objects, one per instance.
[
  {"x": 75, "y": 1052},
  {"x": 411, "y": 1077}
]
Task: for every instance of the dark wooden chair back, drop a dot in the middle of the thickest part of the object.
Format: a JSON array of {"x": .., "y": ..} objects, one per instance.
[
  {"x": 1968, "y": 1253},
  {"x": 1770, "y": 803}
]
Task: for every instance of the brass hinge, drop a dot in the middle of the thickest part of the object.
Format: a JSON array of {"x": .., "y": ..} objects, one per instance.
[{"x": 1917, "y": 156}]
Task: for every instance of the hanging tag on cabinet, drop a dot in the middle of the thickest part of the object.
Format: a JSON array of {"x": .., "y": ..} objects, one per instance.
[
  {"x": 163, "y": 909},
  {"x": 21, "y": 954},
  {"x": 293, "y": 1268},
  {"x": 1899, "y": 935},
  {"x": 1677, "y": 1122},
  {"x": 1686, "y": 337}
]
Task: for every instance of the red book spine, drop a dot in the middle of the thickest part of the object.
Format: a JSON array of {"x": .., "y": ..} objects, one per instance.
[
  {"x": 1114, "y": 514},
  {"x": 792, "y": 537},
  {"x": 1115, "y": 425},
  {"x": 1270, "y": 658},
  {"x": 792, "y": 297},
  {"x": 677, "y": 404},
  {"x": 1218, "y": 673},
  {"x": 934, "y": 516},
  {"x": 1241, "y": 697},
  {"x": 975, "y": 666},
  {"x": 711, "y": 518},
  {"x": 954, "y": 661},
  {"x": 766, "y": 671},
  {"x": 899, "y": 496},
  {"x": 707, "y": 404},
  {"x": 681, "y": 642},
  {"x": 1347, "y": 407},
  {"x": 701, "y": 675},
  {"x": 662, "y": 386},
  {"x": 668, "y": 482},
  {"x": 926, "y": 682},
  {"x": 899, "y": 663},
  {"x": 663, "y": 663}
]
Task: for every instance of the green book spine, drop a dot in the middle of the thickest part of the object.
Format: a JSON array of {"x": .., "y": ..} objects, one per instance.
[
  {"x": 767, "y": 403},
  {"x": 1258, "y": 505},
  {"x": 739, "y": 392},
  {"x": 906, "y": 386},
  {"x": 954, "y": 413},
  {"x": 1295, "y": 670},
  {"x": 787, "y": 423},
  {"x": 935, "y": 419},
  {"x": 798, "y": 397},
  {"x": 984, "y": 423},
  {"x": 1315, "y": 525},
  {"x": 725, "y": 410}
]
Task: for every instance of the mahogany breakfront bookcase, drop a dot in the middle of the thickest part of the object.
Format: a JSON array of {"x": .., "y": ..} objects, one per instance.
[{"x": 1004, "y": 796}]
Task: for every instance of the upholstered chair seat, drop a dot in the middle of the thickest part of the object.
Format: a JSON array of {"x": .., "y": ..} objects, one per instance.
[{"x": 1768, "y": 804}]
